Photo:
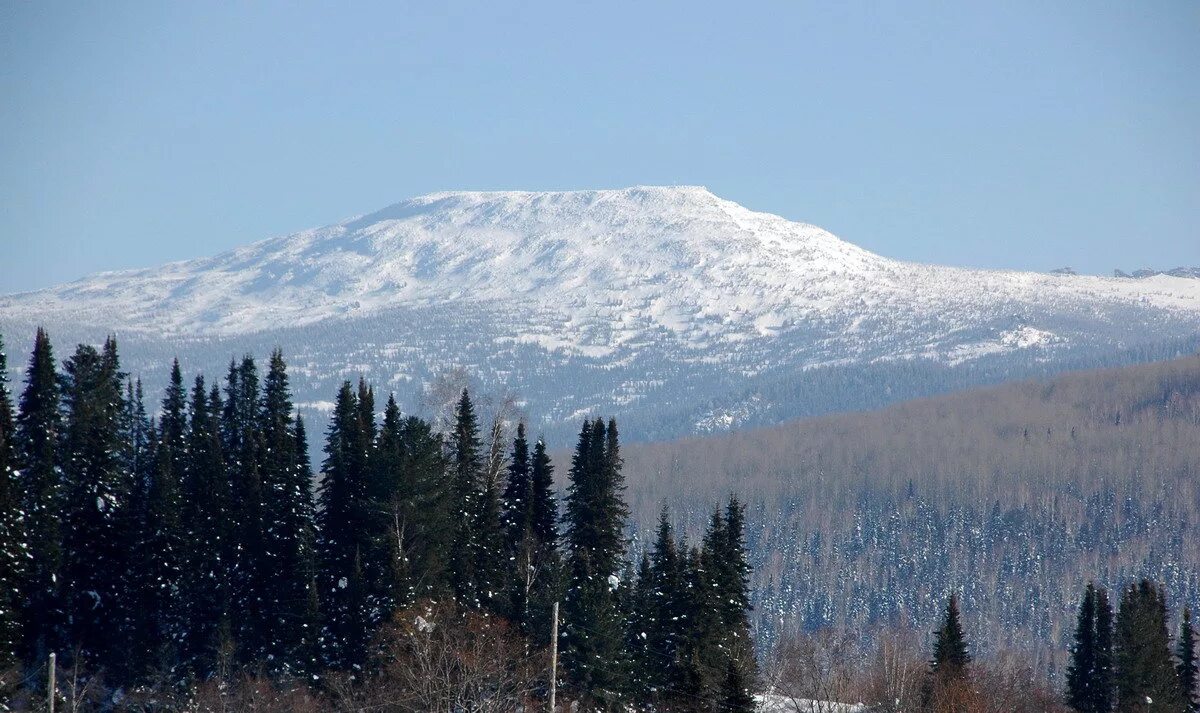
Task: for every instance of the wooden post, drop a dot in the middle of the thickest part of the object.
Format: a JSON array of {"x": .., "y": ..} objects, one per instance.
[
  {"x": 51, "y": 687},
  {"x": 553, "y": 656}
]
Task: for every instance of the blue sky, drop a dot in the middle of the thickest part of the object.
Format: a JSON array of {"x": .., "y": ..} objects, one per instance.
[{"x": 1015, "y": 134}]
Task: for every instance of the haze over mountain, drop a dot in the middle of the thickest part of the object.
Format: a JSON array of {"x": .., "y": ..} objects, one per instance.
[{"x": 682, "y": 311}]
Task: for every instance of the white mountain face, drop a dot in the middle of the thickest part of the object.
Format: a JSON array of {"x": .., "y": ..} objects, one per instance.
[{"x": 691, "y": 311}]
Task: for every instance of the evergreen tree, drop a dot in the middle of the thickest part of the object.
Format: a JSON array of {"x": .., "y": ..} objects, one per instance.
[
  {"x": 518, "y": 493},
  {"x": 595, "y": 517},
  {"x": 162, "y": 539},
  {"x": 38, "y": 433},
  {"x": 731, "y": 573},
  {"x": 251, "y": 566},
  {"x": 950, "y": 657},
  {"x": 288, "y": 522},
  {"x": 543, "y": 507},
  {"x": 668, "y": 611},
  {"x": 1187, "y": 668},
  {"x": 1102, "y": 688},
  {"x": 1142, "y": 652},
  {"x": 13, "y": 544},
  {"x": 208, "y": 530},
  {"x": 344, "y": 536},
  {"x": 735, "y": 693},
  {"x": 1082, "y": 670},
  {"x": 464, "y": 460},
  {"x": 97, "y": 490}
]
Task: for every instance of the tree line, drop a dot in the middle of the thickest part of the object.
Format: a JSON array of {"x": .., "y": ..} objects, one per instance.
[{"x": 168, "y": 550}]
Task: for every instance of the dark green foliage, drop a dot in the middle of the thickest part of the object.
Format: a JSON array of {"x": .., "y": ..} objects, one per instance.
[
  {"x": 13, "y": 543},
  {"x": 345, "y": 534},
  {"x": 209, "y": 534},
  {"x": 1082, "y": 670},
  {"x": 38, "y": 437},
  {"x": 96, "y": 493},
  {"x": 1103, "y": 681},
  {"x": 595, "y": 518},
  {"x": 950, "y": 656},
  {"x": 288, "y": 512},
  {"x": 465, "y": 465},
  {"x": 1185, "y": 653},
  {"x": 736, "y": 696},
  {"x": 1142, "y": 651}
]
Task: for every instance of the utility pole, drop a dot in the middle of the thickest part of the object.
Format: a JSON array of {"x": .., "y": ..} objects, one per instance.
[
  {"x": 553, "y": 656},
  {"x": 51, "y": 687}
]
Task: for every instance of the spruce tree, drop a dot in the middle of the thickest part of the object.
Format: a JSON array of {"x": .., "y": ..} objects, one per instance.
[
  {"x": 1102, "y": 689},
  {"x": 288, "y": 523},
  {"x": 464, "y": 461},
  {"x": 251, "y": 566},
  {"x": 668, "y": 622},
  {"x": 547, "y": 571},
  {"x": 595, "y": 519},
  {"x": 13, "y": 543},
  {"x": 208, "y": 531},
  {"x": 1144, "y": 666},
  {"x": 1185, "y": 653},
  {"x": 344, "y": 536},
  {"x": 1082, "y": 670},
  {"x": 735, "y": 691},
  {"x": 950, "y": 656},
  {"x": 96, "y": 492},
  {"x": 39, "y": 430}
]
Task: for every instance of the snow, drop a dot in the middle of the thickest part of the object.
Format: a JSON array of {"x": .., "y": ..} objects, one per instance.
[
  {"x": 657, "y": 285},
  {"x": 774, "y": 703}
]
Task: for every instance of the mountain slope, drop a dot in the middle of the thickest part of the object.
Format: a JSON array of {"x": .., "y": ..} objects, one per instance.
[
  {"x": 641, "y": 300},
  {"x": 1013, "y": 495}
]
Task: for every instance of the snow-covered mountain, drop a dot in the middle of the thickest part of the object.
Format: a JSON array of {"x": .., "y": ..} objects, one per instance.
[{"x": 671, "y": 304}]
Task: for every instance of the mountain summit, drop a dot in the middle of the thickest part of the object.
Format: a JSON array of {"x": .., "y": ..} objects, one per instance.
[{"x": 670, "y": 291}]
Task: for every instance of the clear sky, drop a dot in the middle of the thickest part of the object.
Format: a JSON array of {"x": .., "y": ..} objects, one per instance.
[{"x": 1024, "y": 134}]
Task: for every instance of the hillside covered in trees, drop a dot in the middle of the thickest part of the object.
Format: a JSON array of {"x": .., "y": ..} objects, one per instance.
[{"x": 1012, "y": 495}]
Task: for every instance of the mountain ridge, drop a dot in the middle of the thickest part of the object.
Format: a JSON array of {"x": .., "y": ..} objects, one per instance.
[{"x": 629, "y": 300}]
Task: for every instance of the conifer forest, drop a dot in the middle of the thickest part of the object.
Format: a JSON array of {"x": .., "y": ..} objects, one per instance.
[{"x": 182, "y": 552}]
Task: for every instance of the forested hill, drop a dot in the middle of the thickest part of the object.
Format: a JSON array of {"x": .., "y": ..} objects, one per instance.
[{"x": 1014, "y": 495}]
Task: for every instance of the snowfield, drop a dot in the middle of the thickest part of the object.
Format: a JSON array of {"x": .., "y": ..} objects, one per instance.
[{"x": 652, "y": 293}]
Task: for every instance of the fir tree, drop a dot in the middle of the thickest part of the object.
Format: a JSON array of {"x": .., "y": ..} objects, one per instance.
[
  {"x": 344, "y": 536},
  {"x": 251, "y": 566},
  {"x": 464, "y": 460},
  {"x": 13, "y": 543},
  {"x": 288, "y": 523},
  {"x": 950, "y": 657},
  {"x": 1186, "y": 654},
  {"x": 595, "y": 517},
  {"x": 96, "y": 492},
  {"x": 668, "y": 603},
  {"x": 38, "y": 433},
  {"x": 208, "y": 530},
  {"x": 1082, "y": 670},
  {"x": 1142, "y": 652},
  {"x": 543, "y": 507},
  {"x": 735, "y": 691},
  {"x": 1103, "y": 678}
]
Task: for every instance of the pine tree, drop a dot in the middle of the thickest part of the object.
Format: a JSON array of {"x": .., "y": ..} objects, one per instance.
[
  {"x": 1082, "y": 670},
  {"x": 464, "y": 460},
  {"x": 344, "y": 536},
  {"x": 208, "y": 531},
  {"x": 1186, "y": 654},
  {"x": 731, "y": 572},
  {"x": 13, "y": 543},
  {"x": 96, "y": 492},
  {"x": 1142, "y": 652},
  {"x": 595, "y": 517},
  {"x": 950, "y": 657},
  {"x": 543, "y": 508},
  {"x": 38, "y": 432},
  {"x": 288, "y": 522}
]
